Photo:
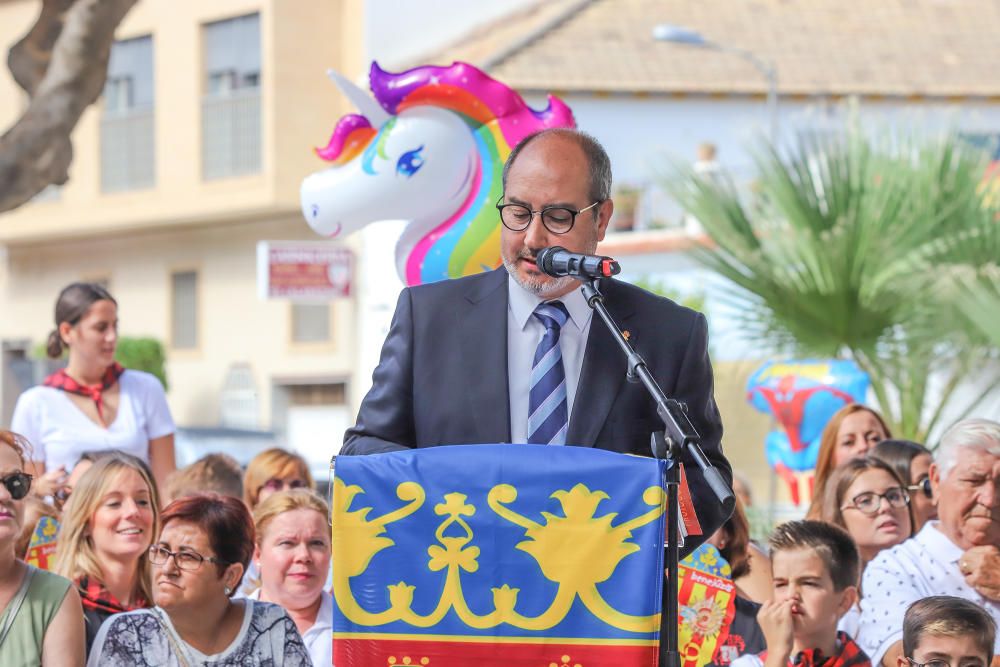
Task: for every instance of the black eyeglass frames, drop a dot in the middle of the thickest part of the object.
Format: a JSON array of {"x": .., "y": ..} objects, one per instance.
[{"x": 556, "y": 219}]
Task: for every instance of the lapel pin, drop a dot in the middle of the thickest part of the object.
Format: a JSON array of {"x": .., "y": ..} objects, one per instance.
[{"x": 626, "y": 334}]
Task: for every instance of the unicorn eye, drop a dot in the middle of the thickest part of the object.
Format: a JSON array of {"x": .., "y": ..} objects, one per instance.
[
  {"x": 314, "y": 210},
  {"x": 410, "y": 162}
]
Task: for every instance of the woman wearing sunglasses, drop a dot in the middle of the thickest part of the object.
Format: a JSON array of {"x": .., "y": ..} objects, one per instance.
[
  {"x": 108, "y": 523},
  {"x": 912, "y": 462},
  {"x": 867, "y": 498},
  {"x": 40, "y": 620},
  {"x": 198, "y": 560},
  {"x": 93, "y": 404},
  {"x": 274, "y": 470}
]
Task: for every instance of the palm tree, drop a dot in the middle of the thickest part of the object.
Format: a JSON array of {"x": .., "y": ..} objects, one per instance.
[{"x": 853, "y": 247}]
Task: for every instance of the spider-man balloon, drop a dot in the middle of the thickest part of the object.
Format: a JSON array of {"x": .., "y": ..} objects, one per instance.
[{"x": 802, "y": 396}]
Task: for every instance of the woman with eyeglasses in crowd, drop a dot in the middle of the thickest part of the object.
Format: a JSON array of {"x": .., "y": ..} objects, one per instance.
[
  {"x": 867, "y": 498},
  {"x": 198, "y": 560},
  {"x": 912, "y": 462},
  {"x": 270, "y": 472},
  {"x": 40, "y": 620},
  {"x": 93, "y": 404},
  {"x": 851, "y": 432},
  {"x": 292, "y": 556},
  {"x": 107, "y": 526}
]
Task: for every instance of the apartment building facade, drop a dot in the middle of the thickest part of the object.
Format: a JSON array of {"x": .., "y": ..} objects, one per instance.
[{"x": 193, "y": 155}]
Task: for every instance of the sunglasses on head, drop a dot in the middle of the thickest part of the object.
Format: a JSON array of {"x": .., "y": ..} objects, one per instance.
[{"x": 18, "y": 484}]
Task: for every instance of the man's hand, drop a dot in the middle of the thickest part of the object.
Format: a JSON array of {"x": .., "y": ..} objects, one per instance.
[
  {"x": 981, "y": 568},
  {"x": 777, "y": 624}
]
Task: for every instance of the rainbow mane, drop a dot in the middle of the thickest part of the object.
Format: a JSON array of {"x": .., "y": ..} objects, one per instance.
[
  {"x": 468, "y": 241},
  {"x": 352, "y": 134}
]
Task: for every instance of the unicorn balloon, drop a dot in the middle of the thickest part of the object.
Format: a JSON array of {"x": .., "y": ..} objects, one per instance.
[{"x": 429, "y": 148}]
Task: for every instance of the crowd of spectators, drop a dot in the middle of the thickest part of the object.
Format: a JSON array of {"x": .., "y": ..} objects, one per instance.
[
  {"x": 892, "y": 527},
  {"x": 897, "y": 562}
]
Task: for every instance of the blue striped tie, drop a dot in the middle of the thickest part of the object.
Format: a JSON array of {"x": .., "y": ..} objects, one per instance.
[{"x": 548, "y": 414}]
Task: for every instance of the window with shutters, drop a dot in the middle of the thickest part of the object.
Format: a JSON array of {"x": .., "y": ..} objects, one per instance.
[
  {"x": 127, "y": 124},
  {"x": 230, "y": 112}
]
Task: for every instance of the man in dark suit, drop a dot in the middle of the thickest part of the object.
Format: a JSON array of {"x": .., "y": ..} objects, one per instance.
[{"x": 471, "y": 360}]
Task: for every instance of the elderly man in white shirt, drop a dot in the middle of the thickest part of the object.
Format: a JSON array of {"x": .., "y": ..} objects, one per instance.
[{"x": 957, "y": 555}]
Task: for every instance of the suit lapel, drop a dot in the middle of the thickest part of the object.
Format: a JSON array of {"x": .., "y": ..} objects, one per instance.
[
  {"x": 483, "y": 320},
  {"x": 602, "y": 375}
]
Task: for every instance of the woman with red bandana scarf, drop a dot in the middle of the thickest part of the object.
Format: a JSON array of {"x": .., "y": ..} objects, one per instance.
[
  {"x": 110, "y": 521},
  {"x": 93, "y": 404}
]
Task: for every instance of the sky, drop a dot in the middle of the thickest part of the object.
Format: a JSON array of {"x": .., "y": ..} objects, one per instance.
[{"x": 398, "y": 31}]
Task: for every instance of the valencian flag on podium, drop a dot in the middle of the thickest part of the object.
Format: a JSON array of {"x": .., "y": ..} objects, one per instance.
[{"x": 497, "y": 556}]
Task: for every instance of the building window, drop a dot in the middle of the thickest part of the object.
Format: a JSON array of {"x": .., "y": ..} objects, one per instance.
[
  {"x": 310, "y": 323},
  {"x": 230, "y": 113},
  {"x": 127, "y": 132},
  {"x": 184, "y": 310}
]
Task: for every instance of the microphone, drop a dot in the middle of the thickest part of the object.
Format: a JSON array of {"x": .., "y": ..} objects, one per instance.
[{"x": 558, "y": 262}]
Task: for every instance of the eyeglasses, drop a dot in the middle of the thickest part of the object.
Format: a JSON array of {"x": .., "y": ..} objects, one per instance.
[
  {"x": 189, "y": 561},
  {"x": 942, "y": 663},
  {"x": 557, "y": 219},
  {"x": 278, "y": 484},
  {"x": 18, "y": 484},
  {"x": 922, "y": 486},
  {"x": 870, "y": 502}
]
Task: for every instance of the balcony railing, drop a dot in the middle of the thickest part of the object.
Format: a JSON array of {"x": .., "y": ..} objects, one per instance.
[
  {"x": 230, "y": 134},
  {"x": 128, "y": 155}
]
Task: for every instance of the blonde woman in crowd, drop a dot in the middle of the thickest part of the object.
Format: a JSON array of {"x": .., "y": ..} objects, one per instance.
[
  {"x": 40, "y": 621},
  {"x": 292, "y": 555},
  {"x": 108, "y": 524},
  {"x": 850, "y": 433},
  {"x": 270, "y": 472},
  {"x": 274, "y": 470}
]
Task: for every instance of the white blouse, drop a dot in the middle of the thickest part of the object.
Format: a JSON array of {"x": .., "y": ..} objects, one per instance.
[{"x": 59, "y": 432}]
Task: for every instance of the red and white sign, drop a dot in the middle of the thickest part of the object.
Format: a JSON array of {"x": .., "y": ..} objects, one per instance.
[{"x": 304, "y": 270}]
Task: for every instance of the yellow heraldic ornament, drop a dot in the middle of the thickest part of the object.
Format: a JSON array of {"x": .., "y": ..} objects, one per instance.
[
  {"x": 580, "y": 550},
  {"x": 577, "y": 551},
  {"x": 360, "y": 539}
]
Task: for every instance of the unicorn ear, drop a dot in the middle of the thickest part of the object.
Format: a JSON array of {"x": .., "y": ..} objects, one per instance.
[{"x": 365, "y": 103}]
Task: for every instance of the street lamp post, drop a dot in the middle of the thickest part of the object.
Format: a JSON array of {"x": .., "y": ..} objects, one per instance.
[{"x": 680, "y": 35}]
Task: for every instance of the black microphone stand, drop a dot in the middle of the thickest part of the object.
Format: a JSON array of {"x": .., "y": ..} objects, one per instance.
[{"x": 679, "y": 434}]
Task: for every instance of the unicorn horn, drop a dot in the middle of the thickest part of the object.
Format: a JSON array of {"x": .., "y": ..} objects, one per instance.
[{"x": 365, "y": 103}]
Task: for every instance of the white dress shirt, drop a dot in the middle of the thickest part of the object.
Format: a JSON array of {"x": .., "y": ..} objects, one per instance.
[
  {"x": 922, "y": 566},
  {"x": 524, "y": 332}
]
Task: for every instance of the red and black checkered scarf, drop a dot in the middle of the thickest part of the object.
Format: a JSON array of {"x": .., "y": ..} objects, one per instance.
[
  {"x": 849, "y": 655},
  {"x": 96, "y": 596},
  {"x": 95, "y": 392}
]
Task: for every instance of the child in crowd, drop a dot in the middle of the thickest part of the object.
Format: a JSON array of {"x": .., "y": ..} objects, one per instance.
[
  {"x": 943, "y": 631},
  {"x": 815, "y": 568},
  {"x": 217, "y": 473}
]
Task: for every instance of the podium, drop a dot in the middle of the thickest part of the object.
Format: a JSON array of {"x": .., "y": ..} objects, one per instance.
[{"x": 498, "y": 555}]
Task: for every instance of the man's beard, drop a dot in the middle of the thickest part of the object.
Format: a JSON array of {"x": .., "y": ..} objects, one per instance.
[{"x": 542, "y": 286}]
